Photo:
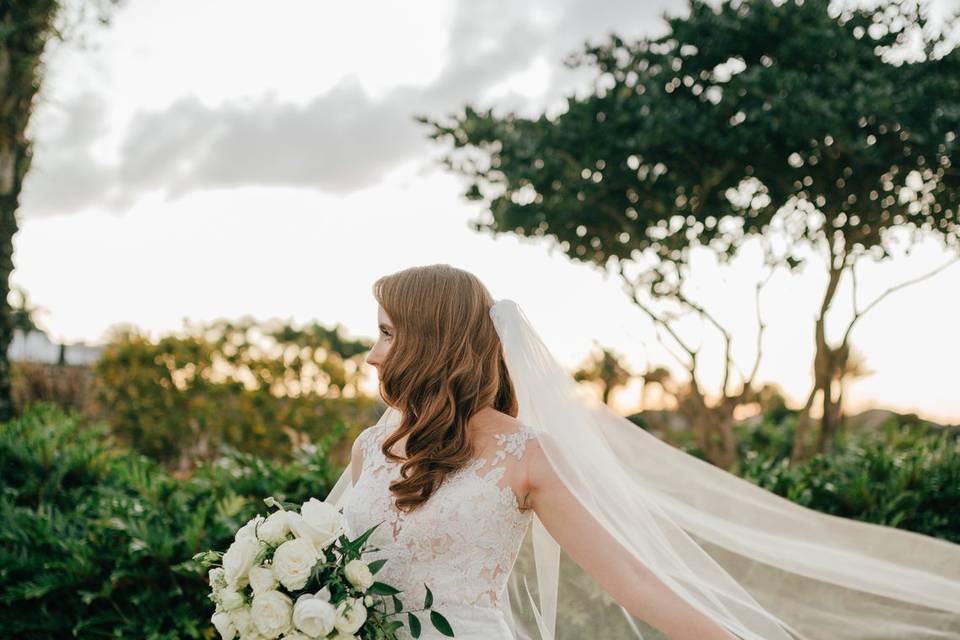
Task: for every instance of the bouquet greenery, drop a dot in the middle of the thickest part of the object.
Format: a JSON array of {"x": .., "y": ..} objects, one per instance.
[{"x": 294, "y": 575}]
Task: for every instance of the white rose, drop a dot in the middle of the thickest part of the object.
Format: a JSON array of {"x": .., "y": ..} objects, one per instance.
[
  {"x": 224, "y": 625},
  {"x": 238, "y": 559},
  {"x": 299, "y": 526},
  {"x": 343, "y": 636},
  {"x": 242, "y": 621},
  {"x": 313, "y": 615},
  {"x": 249, "y": 530},
  {"x": 368, "y": 601},
  {"x": 262, "y": 579},
  {"x": 295, "y": 635},
  {"x": 293, "y": 561},
  {"x": 351, "y": 614},
  {"x": 319, "y": 521},
  {"x": 275, "y": 528},
  {"x": 358, "y": 574},
  {"x": 230, "y": 599},
  {"x": 271, "y": 612},
  {"x": 218, "y": 579}
]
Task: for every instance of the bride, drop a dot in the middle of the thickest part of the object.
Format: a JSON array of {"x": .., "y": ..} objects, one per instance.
[{"x": 531, "y": 510}]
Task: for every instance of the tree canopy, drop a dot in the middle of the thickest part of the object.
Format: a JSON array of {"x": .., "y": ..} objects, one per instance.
[{"x": 814, "y": 131}]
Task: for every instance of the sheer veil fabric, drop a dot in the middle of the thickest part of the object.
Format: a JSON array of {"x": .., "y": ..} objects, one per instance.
[{"x": 763, "y": 567}]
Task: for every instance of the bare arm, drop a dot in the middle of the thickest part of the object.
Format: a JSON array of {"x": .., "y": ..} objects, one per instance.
[{"x": 630, "y": 583}]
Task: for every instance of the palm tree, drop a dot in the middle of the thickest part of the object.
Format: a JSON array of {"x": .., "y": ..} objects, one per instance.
[{"x": 606, "y": 368}]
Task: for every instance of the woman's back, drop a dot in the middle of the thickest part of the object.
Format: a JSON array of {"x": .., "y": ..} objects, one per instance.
[{"x": 462, "y": 542}]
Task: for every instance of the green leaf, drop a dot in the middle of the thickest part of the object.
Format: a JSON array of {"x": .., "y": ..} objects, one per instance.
[
  {"x": 357, "y": 543},
  {"x": 376, "y": 565},
  {"x": 428, "y": 598},
  {"x": 392, "y": 626},
  {"x": 397, "y": 604},
  {"x": 379, "y": 588},
  {"x": 414, "y": 623},
  {"x": 441, "y": 623}
]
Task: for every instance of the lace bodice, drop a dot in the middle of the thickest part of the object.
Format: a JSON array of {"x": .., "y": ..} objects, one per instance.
[{"x": 462, "y": 542}]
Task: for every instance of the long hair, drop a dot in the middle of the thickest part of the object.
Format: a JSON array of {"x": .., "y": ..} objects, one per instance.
[{"x": 445, "y": 364}]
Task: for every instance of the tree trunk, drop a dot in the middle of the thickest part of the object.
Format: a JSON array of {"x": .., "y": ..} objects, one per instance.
[
  {"x": 26, "y": 28},
  {"x": 823, "y": 372},
  {"x": 713, "y": 428},
  {"x": 827, "y": 423},
  {"x": 8, "y": 227}
]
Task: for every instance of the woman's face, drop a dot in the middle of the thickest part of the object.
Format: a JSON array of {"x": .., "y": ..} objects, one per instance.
[{"x": 384, "y": 338}]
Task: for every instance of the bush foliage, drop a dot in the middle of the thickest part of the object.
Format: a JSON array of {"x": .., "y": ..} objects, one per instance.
[
  {"x": 904, "y": 474},
  {"x": 96, "y": 541}
]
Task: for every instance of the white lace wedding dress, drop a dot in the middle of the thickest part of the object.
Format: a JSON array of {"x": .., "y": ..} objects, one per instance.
[{"x": 462, "y": 542}]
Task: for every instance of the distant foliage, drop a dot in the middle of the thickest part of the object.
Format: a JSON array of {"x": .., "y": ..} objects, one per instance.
[
  {"x": 69, "y": 386},
  {"x": 95, "y": 542},
  {"x": 257, "y": 387}
]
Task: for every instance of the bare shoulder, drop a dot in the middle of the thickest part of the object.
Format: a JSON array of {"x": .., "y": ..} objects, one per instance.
[
  {"x": 502, "y": 423},
  {"x": 538, "y": 469}
]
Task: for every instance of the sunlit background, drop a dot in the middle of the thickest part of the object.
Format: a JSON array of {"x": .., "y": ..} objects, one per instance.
[{"x": 211, "y": 159}]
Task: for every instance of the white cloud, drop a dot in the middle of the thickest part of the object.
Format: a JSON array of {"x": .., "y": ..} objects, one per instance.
[{"x": 344, "y": 138}]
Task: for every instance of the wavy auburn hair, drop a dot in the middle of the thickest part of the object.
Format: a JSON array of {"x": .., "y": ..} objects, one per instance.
[{"x": 445, "y": 364}]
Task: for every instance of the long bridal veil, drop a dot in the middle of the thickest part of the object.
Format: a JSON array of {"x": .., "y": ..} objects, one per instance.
[{"x": 763, "y": 567}]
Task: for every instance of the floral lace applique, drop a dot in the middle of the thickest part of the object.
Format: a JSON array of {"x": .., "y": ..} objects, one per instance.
[
  {"x": 462, "y": 542},
  {"x": 513, "y": 443}
]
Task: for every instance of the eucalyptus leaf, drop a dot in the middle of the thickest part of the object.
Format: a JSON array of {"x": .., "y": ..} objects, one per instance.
[
  {"x": 376, "y": 565},
  {"x": 379, "y": 588},
  {"x": 440, "y": 623},
  {"x": 414, "y": 623}
]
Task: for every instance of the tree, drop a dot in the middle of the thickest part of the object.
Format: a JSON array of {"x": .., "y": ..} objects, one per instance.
[
  {"x": 607, "y": 368},
  {"x": 22, "y": 312},
  {"x": 810, "y": 131},
  {"x": 655, "y": 376},
  {"x": 25, "y": 29},
  {"x": 249, "y": 385}
]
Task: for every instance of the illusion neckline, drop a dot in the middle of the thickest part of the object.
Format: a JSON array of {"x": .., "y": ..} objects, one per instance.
[{"x": 500, "y": 438}]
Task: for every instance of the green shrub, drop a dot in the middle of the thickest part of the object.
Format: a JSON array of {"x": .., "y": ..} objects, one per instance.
[
  {"x": 905, "y": 474},
  {"x": 96, "y": 541}
]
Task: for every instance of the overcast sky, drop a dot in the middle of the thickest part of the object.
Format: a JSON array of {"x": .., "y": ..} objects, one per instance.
[{"x": 205, "y": 159}]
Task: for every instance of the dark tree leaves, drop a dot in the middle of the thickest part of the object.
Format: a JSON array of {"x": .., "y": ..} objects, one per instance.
[{"x": 700, "y": 137}]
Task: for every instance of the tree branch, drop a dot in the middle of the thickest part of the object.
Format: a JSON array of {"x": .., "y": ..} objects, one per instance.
[
  {"x": 727, "y": 338},
  {"x": 906, "y": 283},
  {"x": 761, "y": 328}
]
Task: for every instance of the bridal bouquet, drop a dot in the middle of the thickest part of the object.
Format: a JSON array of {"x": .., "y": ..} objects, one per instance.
[{"x": 294, "y": 575}]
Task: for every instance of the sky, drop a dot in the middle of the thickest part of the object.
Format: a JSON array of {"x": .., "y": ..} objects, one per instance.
[{"x": 198, "y": 159}]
